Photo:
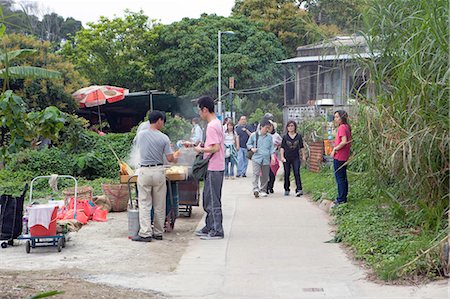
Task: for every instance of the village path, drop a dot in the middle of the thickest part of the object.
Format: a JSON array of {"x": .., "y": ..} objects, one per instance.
[{"x": 274, "y": 247}]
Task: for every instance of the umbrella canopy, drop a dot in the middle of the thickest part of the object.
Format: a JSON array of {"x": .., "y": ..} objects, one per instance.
[{"x": 96, "y": 95}]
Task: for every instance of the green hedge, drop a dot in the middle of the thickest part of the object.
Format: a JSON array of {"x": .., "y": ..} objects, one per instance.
[{"x": 96, "y": 162}]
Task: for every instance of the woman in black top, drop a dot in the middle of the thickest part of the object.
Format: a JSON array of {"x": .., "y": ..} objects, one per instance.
[{"x": 291, "y": 146}]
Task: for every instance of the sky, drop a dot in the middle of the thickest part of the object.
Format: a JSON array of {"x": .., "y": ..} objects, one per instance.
[{"x": 166, "y": 11}]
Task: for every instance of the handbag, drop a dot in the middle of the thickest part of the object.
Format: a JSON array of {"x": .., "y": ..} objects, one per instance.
[
  {"x": 200, "y": 167},
  {"x": 250, "y": 152},
  {"x": 227, "y": 152}
]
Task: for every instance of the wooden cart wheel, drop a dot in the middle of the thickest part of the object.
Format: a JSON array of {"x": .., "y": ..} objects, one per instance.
[
  {"x": 28, "y": 247},
  {"x": 4, "y": 244},
  {"x": 60, "y": 244}
]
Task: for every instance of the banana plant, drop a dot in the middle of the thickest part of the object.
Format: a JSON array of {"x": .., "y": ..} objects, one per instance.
[{"x": 10, "y": 71}]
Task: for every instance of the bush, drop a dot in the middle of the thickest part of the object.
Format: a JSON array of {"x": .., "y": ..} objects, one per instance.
[{"x": 98, "y": 162}]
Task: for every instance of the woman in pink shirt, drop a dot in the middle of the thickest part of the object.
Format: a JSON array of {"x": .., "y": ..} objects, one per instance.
[{"x": 340, "y": 153}]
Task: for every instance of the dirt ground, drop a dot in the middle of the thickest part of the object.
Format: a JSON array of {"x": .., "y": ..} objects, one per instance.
[{"x": 99, "y": 247}]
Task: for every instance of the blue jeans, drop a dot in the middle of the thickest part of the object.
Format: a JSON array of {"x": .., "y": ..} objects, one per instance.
[
  {"x": 229, "y": 169},
  {"x": 340, "y": 173},
  {"x": 242, "y": 161}
]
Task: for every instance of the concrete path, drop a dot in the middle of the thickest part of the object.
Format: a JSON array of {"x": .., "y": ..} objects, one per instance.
[{"x": 273, "y": 248}]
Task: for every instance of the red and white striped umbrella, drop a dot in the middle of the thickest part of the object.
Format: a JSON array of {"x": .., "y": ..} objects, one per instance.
[{"x": 96, "y": 95}]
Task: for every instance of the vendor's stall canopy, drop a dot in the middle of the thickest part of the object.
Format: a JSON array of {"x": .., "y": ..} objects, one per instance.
[{"x": 123, "y": 115}]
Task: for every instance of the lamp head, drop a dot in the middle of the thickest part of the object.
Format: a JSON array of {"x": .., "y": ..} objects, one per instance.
[{"x": 228, "y": 32}]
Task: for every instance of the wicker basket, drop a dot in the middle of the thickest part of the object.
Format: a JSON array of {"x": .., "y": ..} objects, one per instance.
[
  {"x": 118, "y": 195},
  {"x": 83, "y": 193}
]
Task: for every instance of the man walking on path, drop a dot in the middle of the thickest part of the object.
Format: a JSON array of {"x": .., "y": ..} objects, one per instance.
[
  {"x": 243, "y": 131},
  {"x": 261, "y": 144},
  {"x": 152, "y": 146},
  {"x": 212, "y": 190}
]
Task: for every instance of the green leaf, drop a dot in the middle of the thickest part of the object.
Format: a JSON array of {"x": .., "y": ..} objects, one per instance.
[
  {"x": 16, "y": 54},
  {"x": 24, "y": 72}
]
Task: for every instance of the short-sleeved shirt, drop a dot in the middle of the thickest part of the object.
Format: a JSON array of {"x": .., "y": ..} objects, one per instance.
[
  {"x": 292, "y": 146},
  {"x": 343, "y": 153},
  {"x": 243, "y": 136},
  {"x": 229, "y": 138},
  {"x": 152, "y": 146},
  {"x": 214, "y": 135},
  {"x": 196, "y": 134}
]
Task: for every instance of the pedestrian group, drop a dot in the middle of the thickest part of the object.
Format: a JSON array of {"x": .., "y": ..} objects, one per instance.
[{"x": 228, "y": 147}]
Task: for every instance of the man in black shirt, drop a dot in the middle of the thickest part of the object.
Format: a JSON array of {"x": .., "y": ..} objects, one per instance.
[{"x": 243, "y": 131}]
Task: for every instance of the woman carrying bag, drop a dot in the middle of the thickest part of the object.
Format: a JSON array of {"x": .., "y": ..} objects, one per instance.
[
  {"x": 291, "y": 146},
  {"x": 231, "y": 143}
]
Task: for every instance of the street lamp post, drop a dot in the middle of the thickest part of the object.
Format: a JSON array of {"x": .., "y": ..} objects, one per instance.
[{"x": 219, "y": 79}]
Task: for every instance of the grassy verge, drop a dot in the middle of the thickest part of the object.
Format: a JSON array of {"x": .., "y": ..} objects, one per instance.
[{"x": 389, "y": 244}]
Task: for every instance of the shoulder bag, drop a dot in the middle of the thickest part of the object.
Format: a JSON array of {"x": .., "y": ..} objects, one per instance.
[
  {"x": 200, "y": 167},
  {"x": 250, "y": 152}
]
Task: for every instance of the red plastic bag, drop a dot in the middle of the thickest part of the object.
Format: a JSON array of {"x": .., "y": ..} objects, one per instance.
[
  {"x": 85, "y": 205},
  {"x": 81, "y": 216},
  {"x": 100, "y": 215}
]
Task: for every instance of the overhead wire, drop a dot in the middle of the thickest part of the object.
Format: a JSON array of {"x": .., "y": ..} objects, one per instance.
[{"x": 266, "y": 88}]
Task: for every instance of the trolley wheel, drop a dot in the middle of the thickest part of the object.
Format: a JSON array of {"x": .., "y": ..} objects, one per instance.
[
  {"x": 28, "y": 247},
  {"x": 63, "y": 242},
  {"x": 4, "y": 244},
  {"x": 189, "y": 212},
  {"x": 60, "y": 241}
]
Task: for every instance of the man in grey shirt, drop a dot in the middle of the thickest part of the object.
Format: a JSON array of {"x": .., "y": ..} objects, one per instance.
[{"x": 152, "y": 145}]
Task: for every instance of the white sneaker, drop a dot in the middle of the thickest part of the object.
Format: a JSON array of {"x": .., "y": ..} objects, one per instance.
[
  {"x": 299, "y": 193},
  {"x": 263, "y": 194}
]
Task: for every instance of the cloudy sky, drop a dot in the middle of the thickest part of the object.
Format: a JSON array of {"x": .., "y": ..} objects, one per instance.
[{"x": 167, "y": 11}]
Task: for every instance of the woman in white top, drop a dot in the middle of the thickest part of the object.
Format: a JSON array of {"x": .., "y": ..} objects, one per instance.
[
  {"x": 196, "y": 132},
  {"x": 231, "y": 143}
]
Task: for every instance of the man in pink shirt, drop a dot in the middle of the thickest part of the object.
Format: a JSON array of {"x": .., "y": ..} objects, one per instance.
[{"x": 212, "y": 190}]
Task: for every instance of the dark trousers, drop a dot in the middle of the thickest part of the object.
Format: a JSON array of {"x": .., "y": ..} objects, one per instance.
[
  {"x": 340, "y": 173},
  {"x": 212, "y": 202},
  {"x": 271, "y": 181},
  {"x": 295, "y": 164}
]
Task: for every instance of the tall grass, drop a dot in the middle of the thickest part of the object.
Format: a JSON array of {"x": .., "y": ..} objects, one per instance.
[{"x": 406, "y": 125}]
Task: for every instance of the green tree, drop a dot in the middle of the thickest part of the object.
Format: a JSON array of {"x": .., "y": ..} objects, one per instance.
[
  {"x": 290, "y": 23},
  {"x": 187, "y": 57},
  {"x": 25, "y": 20},
  {"x": 117, "y": 52},
  {"x": 345, "y": 14},
  {"x": 40, "y": 93}
]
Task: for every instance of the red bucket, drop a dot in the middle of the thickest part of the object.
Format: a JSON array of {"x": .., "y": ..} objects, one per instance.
[{"x": 40, "y": 231}]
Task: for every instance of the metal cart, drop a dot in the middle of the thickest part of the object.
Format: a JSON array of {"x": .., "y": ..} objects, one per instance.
[
  {"x": 189, "y": 195},
  {"x": 171, "y": 200},
  {"x": 38, "y": 239}
]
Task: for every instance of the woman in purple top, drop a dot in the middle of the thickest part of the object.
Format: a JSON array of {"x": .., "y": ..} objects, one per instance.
[{"x": 341, "y": 153}]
